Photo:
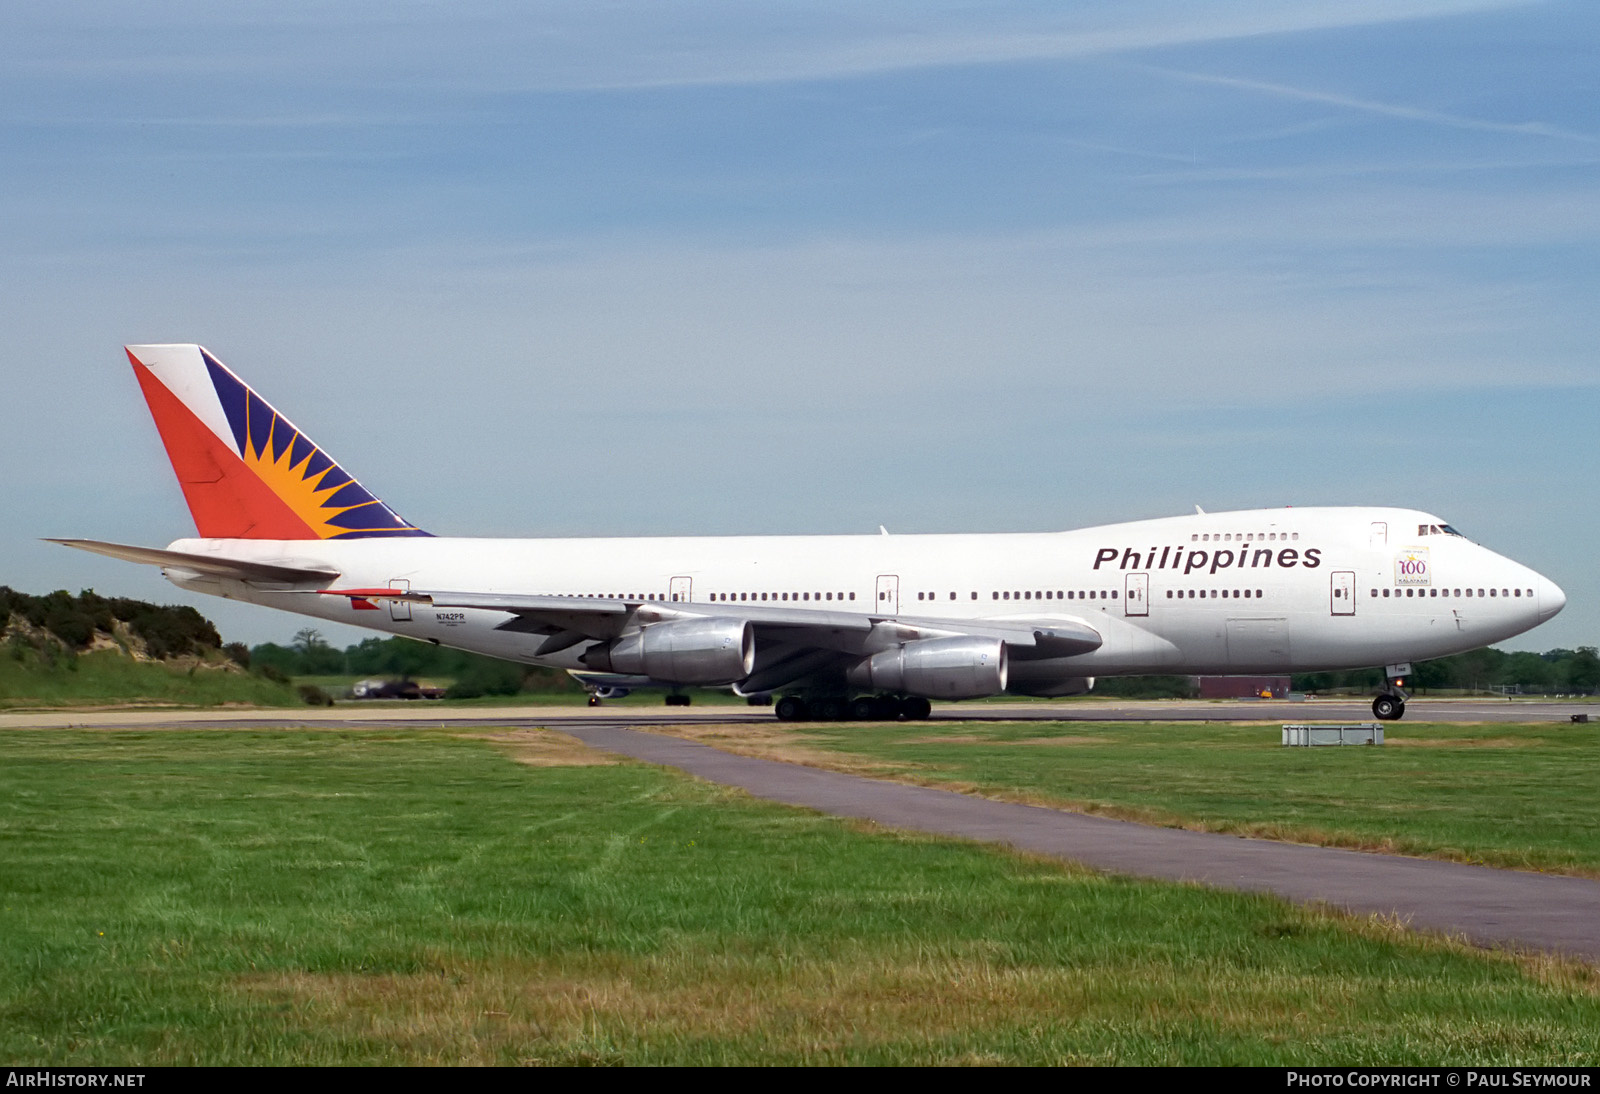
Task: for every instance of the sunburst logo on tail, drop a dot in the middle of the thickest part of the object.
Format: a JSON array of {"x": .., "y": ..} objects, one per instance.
[{"x": 318, "y": 491}]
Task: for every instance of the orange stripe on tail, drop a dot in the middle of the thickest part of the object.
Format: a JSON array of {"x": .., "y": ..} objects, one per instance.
[{"x": 227, "y": 499}]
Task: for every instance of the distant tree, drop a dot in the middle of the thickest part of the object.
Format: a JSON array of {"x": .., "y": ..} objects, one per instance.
[
  {"x": 365, "y": 658},
  {"x": 1144, "y": 687},
  {"x": 316, "y": 657},
  {"x": 488, "y": 677},
  {"x": 1477, "y": 670},
  {"x": 1583, "y": 670},
  {"x": 1529, "y": 671},
  {"x": 64, "y": 616},
  {"x": 170, "y": 630},
  {"x": 407, "y": 658},
  {"x": 1431, "y": 675},
  {"x": 282, "y": 659}
]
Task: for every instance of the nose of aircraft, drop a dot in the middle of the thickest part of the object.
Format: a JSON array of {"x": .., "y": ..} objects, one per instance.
[{"x": 1551, "y": 598}]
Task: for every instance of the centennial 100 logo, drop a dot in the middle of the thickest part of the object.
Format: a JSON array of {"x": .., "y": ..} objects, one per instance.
[{"x": 1411, "y": 567}]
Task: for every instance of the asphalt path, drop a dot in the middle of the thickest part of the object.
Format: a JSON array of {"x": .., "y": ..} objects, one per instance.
[{"x": 1487, "y": 906}]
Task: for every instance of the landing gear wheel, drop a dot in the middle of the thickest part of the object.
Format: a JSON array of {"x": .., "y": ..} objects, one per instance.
[
  {"x": 677, "y": 700},
  {"x": 594, "y": 700},
  {"x": 865, "y": 709},
  {"x": 1388, "y": 708},
  {"x": 915, "y": 709},
  {"x": 790, "y": 708},
  {"x": 830, "y": 710}
]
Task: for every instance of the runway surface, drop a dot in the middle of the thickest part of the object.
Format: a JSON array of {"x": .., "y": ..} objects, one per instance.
[
  {"x": 1488, "y": 906},
  {"x": 355, "y": 714}
]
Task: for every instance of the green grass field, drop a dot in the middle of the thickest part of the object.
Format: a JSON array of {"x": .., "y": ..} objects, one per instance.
[
  {"x": 340, "y": 897},
  {"x": 1521, "y": 796},
  {"x": 106, "y": 677}
]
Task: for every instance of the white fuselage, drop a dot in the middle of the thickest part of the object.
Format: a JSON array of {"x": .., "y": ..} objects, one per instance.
[{"x": 1258, "y": 591}]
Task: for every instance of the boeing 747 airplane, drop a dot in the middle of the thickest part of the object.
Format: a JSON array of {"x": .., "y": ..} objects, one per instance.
[{"x": 867, "y": 626}]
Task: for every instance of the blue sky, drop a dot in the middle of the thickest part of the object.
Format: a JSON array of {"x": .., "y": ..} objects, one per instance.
[{"x": 637, "y": 268}]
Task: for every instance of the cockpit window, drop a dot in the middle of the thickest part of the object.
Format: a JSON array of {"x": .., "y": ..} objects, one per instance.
[
  {"x": 1437, "y": 530},
  {"x": 1449, "y": 531}
]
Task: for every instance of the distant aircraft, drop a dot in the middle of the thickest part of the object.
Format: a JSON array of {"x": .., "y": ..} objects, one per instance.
[{"x": 870, "y": 626}]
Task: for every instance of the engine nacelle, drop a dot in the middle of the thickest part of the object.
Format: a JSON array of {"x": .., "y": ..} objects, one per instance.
[
  {"x": 683, "y": 651},
  {"x": 938, "y": 668}
]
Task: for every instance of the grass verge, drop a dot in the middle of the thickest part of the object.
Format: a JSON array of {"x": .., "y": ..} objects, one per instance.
[
  {"x": 1518, "y": 796},
  {"x": 102, "y": 677}
]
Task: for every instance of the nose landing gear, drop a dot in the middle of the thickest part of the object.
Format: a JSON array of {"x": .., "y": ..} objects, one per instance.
[{"x": 1390, "y": 706}]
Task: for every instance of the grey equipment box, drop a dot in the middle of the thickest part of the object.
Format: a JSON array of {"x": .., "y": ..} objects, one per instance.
[{"x": 1369, "y": 733}]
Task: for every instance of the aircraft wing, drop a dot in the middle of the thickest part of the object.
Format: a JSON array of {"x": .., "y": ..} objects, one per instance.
[
  {"x": 599, "y": 618},
  {"x": 211, "y": 565},
  {"x": 790, "y": 634}
]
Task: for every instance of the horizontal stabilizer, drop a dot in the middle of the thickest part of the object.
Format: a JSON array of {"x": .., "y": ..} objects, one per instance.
[{"x": 211, "y": 565}]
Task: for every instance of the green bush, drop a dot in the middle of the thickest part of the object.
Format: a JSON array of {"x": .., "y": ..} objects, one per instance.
[
  {"x": 315, "y": 696},
  {"x": 488, "y": 678},
  {"x": 273, "y": 673}
]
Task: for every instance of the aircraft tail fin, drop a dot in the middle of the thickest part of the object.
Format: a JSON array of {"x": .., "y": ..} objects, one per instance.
[{"x": 245, "y": 470}]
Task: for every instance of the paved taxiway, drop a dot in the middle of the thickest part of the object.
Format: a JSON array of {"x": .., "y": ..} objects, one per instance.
[
  {"x": 1488, "y": 906},
  {"x": 1080, "y": 710}
]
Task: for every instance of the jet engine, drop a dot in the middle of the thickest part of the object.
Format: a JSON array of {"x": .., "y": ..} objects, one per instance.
[
  {"x": 938, "y": 668},
  {"x": 683, "y": 651}
]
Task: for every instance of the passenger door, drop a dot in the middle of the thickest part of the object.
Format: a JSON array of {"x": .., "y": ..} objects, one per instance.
[
  {"x": 1342, "y": 592},
  {"x": 1136, "y": 597},
  {"x": 888, "y": 594},
  {"x": 400, "y": 610}
]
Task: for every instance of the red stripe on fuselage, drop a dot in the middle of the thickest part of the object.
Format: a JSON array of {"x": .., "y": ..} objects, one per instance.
[{"x": 226, "y": 498}]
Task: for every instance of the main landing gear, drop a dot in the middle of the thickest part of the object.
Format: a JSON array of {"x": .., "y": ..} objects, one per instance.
[
  {"x": 1390, "y": 705},
  {"x": 866, "y": 708}
]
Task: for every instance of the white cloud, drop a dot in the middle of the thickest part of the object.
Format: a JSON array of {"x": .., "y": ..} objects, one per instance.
[
  {"x": 641, "y": 43},
  {"x": 1383, "y": 109}
]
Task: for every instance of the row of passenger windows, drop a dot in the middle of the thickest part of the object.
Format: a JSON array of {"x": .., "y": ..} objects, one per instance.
[
  {"x": 1190, "y": 594},
  {"x": 1242, "y": 537},
  {"x": 1056, "y": 594},
  {"x": 1455, "y": 592},
  {"x": 1028, "y": 594},
  {"x": 782, "y": 596},
  {"x": 1046, "y": 594}
]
